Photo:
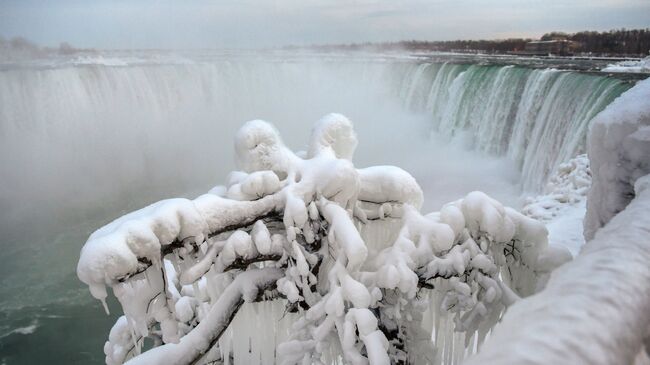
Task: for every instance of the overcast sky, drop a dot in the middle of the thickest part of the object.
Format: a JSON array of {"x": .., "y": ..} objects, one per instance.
[{"x": 251, "y": 23}]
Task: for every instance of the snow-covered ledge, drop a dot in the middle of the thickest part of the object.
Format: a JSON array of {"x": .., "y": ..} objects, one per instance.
[{"x": 596, "y": 309}]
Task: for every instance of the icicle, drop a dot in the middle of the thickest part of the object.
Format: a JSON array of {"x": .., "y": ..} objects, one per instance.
[
  {"x": 103, "y": 300},
  {"x": 459, "y": 348},
  {"x": 449, "y": 339},
  {"x": 471, "y": 344}
]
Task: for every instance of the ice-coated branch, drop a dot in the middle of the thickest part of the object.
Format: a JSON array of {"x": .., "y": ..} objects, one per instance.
[
  {"x": 141, "y": 238},
  {"x": 246, "y": 287},
  {"x": 347, "y": 250}
]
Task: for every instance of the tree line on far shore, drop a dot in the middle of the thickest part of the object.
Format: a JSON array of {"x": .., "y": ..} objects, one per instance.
[
  {"x": 618, "y": 42},
  {"x": 622, "y": 41}
]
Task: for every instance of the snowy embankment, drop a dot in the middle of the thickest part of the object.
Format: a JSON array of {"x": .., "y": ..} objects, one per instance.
[
  {"x": 594, "y": 310},
  {"x": 641, "y": 66}
]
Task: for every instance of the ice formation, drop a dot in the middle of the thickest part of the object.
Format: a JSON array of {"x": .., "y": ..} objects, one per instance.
[
  {"x": 368, "y": 278},
  {"x": 562, "y": 206},
  {"x": 568, "y": 185},
  {"x": 594, "y": 310},
  {"x": 618, "y": 148},
  {"x": 640, "y": 66}
]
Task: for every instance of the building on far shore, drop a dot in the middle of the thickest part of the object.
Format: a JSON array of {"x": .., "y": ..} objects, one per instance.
[{"x": 556, "y": 47}]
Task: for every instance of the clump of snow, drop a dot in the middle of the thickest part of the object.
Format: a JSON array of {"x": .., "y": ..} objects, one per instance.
[
  {"x": 389, "y": 183},
  {"x": 345, "y": 249},
  {"x": 618, "y": 148},
  {"x": 335, "y": 133},
  {"x": 640, "y": 66}
]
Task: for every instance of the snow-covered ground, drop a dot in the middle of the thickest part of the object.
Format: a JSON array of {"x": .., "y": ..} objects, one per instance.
[{"x": 641, "y": 66}]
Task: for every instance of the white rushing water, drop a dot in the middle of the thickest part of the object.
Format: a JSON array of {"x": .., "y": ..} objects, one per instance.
[
  {"x": 81, "y": 143},
  {"x": 538, "y": 118}
]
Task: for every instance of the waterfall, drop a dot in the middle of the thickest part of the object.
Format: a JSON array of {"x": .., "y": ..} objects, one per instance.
[
  {"x": 536, "y": 117},
  {"x": 77, "y": 137},
  {"x": 95, "y": 135},
  {"x": 82, "y": 143},
  {"x": 69, "y": 120}
]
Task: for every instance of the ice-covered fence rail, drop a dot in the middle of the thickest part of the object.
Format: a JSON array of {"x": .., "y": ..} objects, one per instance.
[{"x": 595, "y": 310}]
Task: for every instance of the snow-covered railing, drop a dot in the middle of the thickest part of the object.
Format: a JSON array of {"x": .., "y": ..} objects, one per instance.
[
  {"x": 596, "y": 309},
  {"x": 345, "y": 249}
]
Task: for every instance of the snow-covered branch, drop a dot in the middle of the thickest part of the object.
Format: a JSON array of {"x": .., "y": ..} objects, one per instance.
[
  {"x": 346, "y": 249},
  {"x": 248, "y": 286}
]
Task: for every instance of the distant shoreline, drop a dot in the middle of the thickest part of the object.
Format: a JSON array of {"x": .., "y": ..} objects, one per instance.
[{"x": 623, "y": 44}]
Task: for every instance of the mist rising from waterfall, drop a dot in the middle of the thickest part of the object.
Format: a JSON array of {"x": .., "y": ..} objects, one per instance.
[{"x": 75, "y": 139}]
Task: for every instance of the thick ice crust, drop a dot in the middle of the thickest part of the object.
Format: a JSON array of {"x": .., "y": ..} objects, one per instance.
[{"x": 619, "y": 152}]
